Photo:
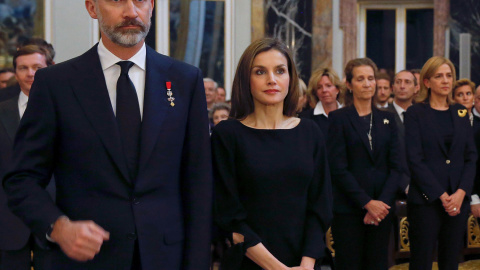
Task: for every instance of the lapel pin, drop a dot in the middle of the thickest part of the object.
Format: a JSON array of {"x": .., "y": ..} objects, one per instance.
[
  {"x": 385, "y": 121},
  {"x": 170, "y": 93},
  {"x": 462, "y": 113}
]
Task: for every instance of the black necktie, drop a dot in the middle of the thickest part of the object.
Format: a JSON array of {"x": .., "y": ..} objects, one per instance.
[{"x": 128, "y": 118}]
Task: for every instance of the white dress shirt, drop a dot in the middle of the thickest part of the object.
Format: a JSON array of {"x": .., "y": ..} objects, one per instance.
[
  {"x": 399, "y": 110},
  {"x": 111, "y": 71},
  {"x": 22, "y": 103},
  {"x": 320, "y": 110}
]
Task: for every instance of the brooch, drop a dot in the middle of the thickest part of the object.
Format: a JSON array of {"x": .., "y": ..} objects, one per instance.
[
  {"x": 385, "y": 121},
  {"x": 170, "y": 93},
  {"x": 462, "y": 113}
]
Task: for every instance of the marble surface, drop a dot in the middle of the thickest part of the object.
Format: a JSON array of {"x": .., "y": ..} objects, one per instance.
[
  {"x": 291, "y": 21},
  {"x": 465, "y": 18}
]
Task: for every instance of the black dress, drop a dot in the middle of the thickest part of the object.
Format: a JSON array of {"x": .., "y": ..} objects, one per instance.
[{"x": 273, "y": 187}]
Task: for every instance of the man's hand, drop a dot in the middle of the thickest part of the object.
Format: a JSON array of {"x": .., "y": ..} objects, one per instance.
[
  {"x": 377, "y": 209},
  {"x": 79, "y": 240}
]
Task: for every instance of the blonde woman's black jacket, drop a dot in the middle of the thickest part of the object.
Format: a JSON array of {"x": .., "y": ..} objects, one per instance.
[{"x": 434, "y": 169}]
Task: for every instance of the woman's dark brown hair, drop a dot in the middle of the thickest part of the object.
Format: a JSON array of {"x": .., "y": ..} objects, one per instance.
[
  {"x": 357, "y": 62},
  {"x": 242, "y": 100}
]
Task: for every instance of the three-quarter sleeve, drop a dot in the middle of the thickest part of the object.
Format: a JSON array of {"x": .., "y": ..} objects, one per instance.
[
  {"x": 319, "y": 204},
  {"x": 229, "y": 212}
]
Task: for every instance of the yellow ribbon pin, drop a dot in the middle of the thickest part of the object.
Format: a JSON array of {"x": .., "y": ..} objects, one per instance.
[{"x": 462, "y": 113}]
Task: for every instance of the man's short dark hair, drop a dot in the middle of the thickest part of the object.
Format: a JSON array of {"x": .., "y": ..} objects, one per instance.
[
  {"x": 27, "y": 50},
  {"x": 40, "y": 42}
]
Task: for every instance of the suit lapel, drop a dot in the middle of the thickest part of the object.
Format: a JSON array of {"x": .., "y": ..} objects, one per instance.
[
  {"x": 91, "y": 91},
  {"x": 10, "y": 117},
  {"x": 357, "y": 125},
  {"x": 155, "y": 104}
]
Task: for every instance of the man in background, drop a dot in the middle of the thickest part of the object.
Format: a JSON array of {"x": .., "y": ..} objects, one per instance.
[
  {"x": 221, "y": 95},
  {"x": 16, "y": 241},
  {"x": 5, "y": 75},
  {"x": 384, "y": 90}
]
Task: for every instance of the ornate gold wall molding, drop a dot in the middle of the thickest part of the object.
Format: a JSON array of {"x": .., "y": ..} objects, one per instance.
[{"x": 258, "y": 19}]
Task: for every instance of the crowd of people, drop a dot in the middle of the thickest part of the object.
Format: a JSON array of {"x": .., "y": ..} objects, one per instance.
[
  {"x": 376, "y": 139},
  {"x": 110, "y": 161}
]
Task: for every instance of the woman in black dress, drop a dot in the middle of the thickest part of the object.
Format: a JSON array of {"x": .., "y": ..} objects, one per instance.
[
  {"x": 327, "y": 90},
  {"x": 272, "y": 182},
  {"x": 364, "y": 158},
  {"x": 441, "y": 155}
]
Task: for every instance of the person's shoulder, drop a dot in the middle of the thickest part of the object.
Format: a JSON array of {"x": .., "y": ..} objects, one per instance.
[
  {"x": 306, "y": 113},
  {"x": 340, "y": 112},
  {"x": 457, "y": 106},
  {"x": 226, "y": 127},
  {"x": 9, "y": 92},
  {"x": 310, "y": 127},
  {"x": 417, "y": 107}
]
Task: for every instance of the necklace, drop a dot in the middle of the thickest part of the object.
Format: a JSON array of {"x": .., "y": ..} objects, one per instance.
[{"x": 369, "y": 134}]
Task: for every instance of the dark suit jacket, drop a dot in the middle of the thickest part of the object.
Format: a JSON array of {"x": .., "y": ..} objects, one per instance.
[
  {"x": 9, "y": 92},
  {"x": 434, "y": 169},
  {"x": 69, "y": 129},
  {"x": 13, "y": 233},
  {"x": 359, "y": 174},
  {"x": 405, "y": 177},
  {"x": 321, "y": 120}
]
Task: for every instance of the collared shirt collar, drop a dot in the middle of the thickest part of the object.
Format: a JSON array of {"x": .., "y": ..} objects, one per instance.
[
  {"x": 320, "y": 110},
  {"x": 399, "y": 110},
  {"x": 22, "y": 103},
  {"x": 108, "y": 59},
  {"x": 380, "y": 106},
  {"x": 477, "y": 114}
]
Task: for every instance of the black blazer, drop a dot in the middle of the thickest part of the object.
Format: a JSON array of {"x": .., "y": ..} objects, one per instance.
[
  {"x": 432, "y": 167},
  {"x": 9, "y": 92},
  {"x": 13, "y": 233},
  {"x": 359, "y": 174},
  {"x": 69, "y": 129},
  {"x": 405, "y": 177},
  {"x": 321, "y": 120}
]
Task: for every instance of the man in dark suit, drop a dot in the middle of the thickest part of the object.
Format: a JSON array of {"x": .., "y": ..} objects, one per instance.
[
  {"x": 15, "y": 241},
  {"x": 404, "y": 85},
  {"x": 125, "y": 132}
]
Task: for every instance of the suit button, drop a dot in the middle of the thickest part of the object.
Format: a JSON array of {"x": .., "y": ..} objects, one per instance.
[
  {"x": 135, "y": 201},
  {"x": 447, "y": 161},
  {"x": 131, "y": 236}
]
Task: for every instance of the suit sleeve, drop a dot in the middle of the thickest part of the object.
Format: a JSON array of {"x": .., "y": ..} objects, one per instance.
[
  {"x": 33, "y": 162},
  {"x": 394, "y": 163},
  {"x": 470, "y": 158},
  {"x": 424, "y": 178},
  {"x": 320, "y": 202},
  {"x": 229, "y": 211},
  {"x": 196, "y": 177},
  {"x": 337, "y": 156}
]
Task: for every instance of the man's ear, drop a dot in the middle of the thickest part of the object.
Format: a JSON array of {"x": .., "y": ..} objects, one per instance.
[{"x": 91, "y": 8}]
